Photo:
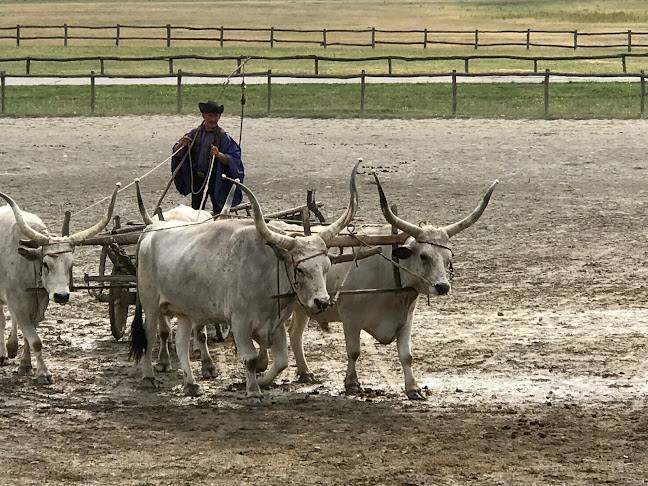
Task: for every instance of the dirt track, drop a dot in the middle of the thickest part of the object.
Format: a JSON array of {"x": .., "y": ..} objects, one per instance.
[{"x": 535, "y": 364}]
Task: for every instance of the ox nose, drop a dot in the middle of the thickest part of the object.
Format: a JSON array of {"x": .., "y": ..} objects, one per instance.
[
  {"x": 61, "y": 298},
  {"x": 442, "y": 288},
  {"x": 321, "y": 304}
]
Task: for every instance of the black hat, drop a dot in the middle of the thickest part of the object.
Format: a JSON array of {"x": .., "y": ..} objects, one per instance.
[{"x": 211, "y": 107}]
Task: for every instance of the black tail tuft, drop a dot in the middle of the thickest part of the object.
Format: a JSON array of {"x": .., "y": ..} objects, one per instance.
[{"x": 138, "y": 340}]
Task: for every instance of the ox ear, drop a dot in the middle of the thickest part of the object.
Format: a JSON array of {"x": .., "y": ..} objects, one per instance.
[
  {"x": 31, "y": 254},
  {"x": 402, "y": 252},
  {"x": 29, "y": 244}
]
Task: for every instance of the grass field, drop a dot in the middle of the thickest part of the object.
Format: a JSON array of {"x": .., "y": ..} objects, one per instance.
[{"x": 579, "y": 100}]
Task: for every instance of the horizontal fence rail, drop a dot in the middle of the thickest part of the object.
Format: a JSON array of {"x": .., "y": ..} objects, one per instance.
[
  {"x": 361, "y": 79},
  {"x": 316, "y": 60},
  {"x": 368, "y": 37}
]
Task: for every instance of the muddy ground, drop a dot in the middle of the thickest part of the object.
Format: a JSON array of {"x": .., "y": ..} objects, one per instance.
[{"x": 535, "y": 365}]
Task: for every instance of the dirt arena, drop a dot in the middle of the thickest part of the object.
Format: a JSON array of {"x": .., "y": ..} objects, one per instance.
[{"x": 535, "y": 365}]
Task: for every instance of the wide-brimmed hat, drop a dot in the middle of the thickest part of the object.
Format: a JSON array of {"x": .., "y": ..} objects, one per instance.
[{"x": 211, "y": 106}]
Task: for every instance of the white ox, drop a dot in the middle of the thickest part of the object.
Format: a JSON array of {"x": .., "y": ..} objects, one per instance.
[
  {"x": 426, "y": 259},
  {"x": 228, "y": 271},
  {"x": 24, "y": 264}
]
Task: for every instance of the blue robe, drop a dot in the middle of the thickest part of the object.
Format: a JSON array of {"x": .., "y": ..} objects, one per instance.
[{"x": 219, "y": 188}]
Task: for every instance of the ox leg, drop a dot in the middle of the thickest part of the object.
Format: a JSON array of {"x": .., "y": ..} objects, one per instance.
[
  {"x": 4, "y": 359},
  {"x": 34, "y": 345},
  {"x": 183, "y": 343},
  {"x": 263, "y": 359},
  {"x": 248, "y": 353},
  {"x": 412, "y": 389},
  {"x": 200, "y": 338},
  {"x": 164, "y": 361},
  {"x": 150, "y": 327},
  {"x": 296, "y": 329},
  {"x": 352, "y": 341},
  {"x": 279, "y": 350},
  {"x": 12, "y": 344}
]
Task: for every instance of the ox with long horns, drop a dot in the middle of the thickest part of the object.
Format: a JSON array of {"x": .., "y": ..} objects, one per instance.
[
  {"x": 425, "y": 261},
  {"x": 229, "y": 271},
  {"x": 24, "y": 264}
]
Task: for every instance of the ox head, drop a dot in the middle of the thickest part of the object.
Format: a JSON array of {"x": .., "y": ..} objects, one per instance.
[
  {"x": 426, "y": 255},
  {"x": 55, "y": 253},
  {"x": 306, "y": 256}
]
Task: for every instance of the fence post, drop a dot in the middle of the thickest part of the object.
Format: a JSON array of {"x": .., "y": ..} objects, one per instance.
[
  {"x": 629, "y": 40},
  {"x": 454, "y": 92},
  {"x": 476, "y": 38},
  {"x": 92, "y": 92},
  {"x": 271, "y": 37},
  {"x": 389, "y": 65},
  {"x": 324, "y": 38},
  {"x": 239, "y": 61},
  {"x": 269, "y": 90},
  {"x": 535, "y": 65},
  {"x": 222, "y": 36},
  {"x": 170, "y": 65},
  {"x": 623, "y": 63},
  {"x": 362, "y": 90},
  {"x": 101, "y": 65},
  {"x": 2, "y": 90},
  {"x": 575, "y": 39},
  {"x": 65, "y": 34},
  {"x": 316, "y": 66},
  {"x": 179, "y": 93},
  {"x": 643, "y": 92},
  {"x": 28, "y": 65},
  {"x": 17, "y": 35},
  {"x": 117, "y": 35},
  {"x": 528, "y": 40},
  {"x": 373, "y": 37},
  {"x": 546, "y": 93},
  {"x": 466, "y": 64},
  {"x": 425, "y": 39}
]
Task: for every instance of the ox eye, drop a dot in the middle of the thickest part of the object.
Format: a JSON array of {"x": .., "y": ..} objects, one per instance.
[
  {"x": 299, "y": 271},
  {"x": 45, "y": 266}
]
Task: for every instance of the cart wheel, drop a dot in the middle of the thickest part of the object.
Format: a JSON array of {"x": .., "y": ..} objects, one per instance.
[{"x": 119, "y": 298}]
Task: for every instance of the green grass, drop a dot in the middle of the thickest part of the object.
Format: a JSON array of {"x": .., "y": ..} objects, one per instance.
[{"x": 497, "y": 100}]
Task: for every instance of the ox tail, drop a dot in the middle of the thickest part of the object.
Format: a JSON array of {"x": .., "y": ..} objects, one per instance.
[{"x": 138, "y": 340}]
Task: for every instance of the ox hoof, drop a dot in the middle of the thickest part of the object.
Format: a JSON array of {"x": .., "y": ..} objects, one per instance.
[
  {"x": 256, "y": 401},
  {"x": 162, "y": 367},
  {"x": 149, "y": 382},
  {"x": 196, "y": 354},
  {"x": 24, "y": 370},
  {"x": 416, "y": 394},
  {"x": 353, "y": 389},
  {"x": 209, "y": 370},
  {"x": 192, "y": 390},
  {"x": 306, "y": 378},
  {"x": 4, "y": 361},
  {"x": 12, "y": 349},
  {"x": 45, "y": 380}
]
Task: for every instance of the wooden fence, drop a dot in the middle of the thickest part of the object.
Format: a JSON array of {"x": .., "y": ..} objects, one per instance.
[
  {"x": 316, "y": 60},
  {"x": 368, "y": 37},
  {"x": 362, "y": 78}
]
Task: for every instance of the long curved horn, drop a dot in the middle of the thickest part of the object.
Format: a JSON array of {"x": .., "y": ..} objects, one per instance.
[
  {"x": 282, "y": 241},
  {"x": 401, "y": 224},
  {"x": 230, "y": 199},
  {"x": 146, "y": 217},
  {"x": 472, "y": 218},
  {"x": 93, "y": 230},
  {"x": 30, "y": 233},
  {"x": 334, "y": 228}
]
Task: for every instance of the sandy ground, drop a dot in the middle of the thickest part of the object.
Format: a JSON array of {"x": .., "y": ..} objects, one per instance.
[{"x": 535, "y": 364}]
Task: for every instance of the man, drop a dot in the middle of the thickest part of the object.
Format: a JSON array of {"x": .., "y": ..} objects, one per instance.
[{"x": 207, "y": 153}]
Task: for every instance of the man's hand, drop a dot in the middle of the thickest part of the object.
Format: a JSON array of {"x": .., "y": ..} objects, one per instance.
[
  {"x": 186, "y": 139},
  {"x": 220, "y": 156}
]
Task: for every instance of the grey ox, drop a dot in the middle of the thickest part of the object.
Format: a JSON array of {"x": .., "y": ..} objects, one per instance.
[
  {"x": 425, "y": 258},
  {"x": 230, "y": 271},
  {"x": 41, "y": 258}
]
